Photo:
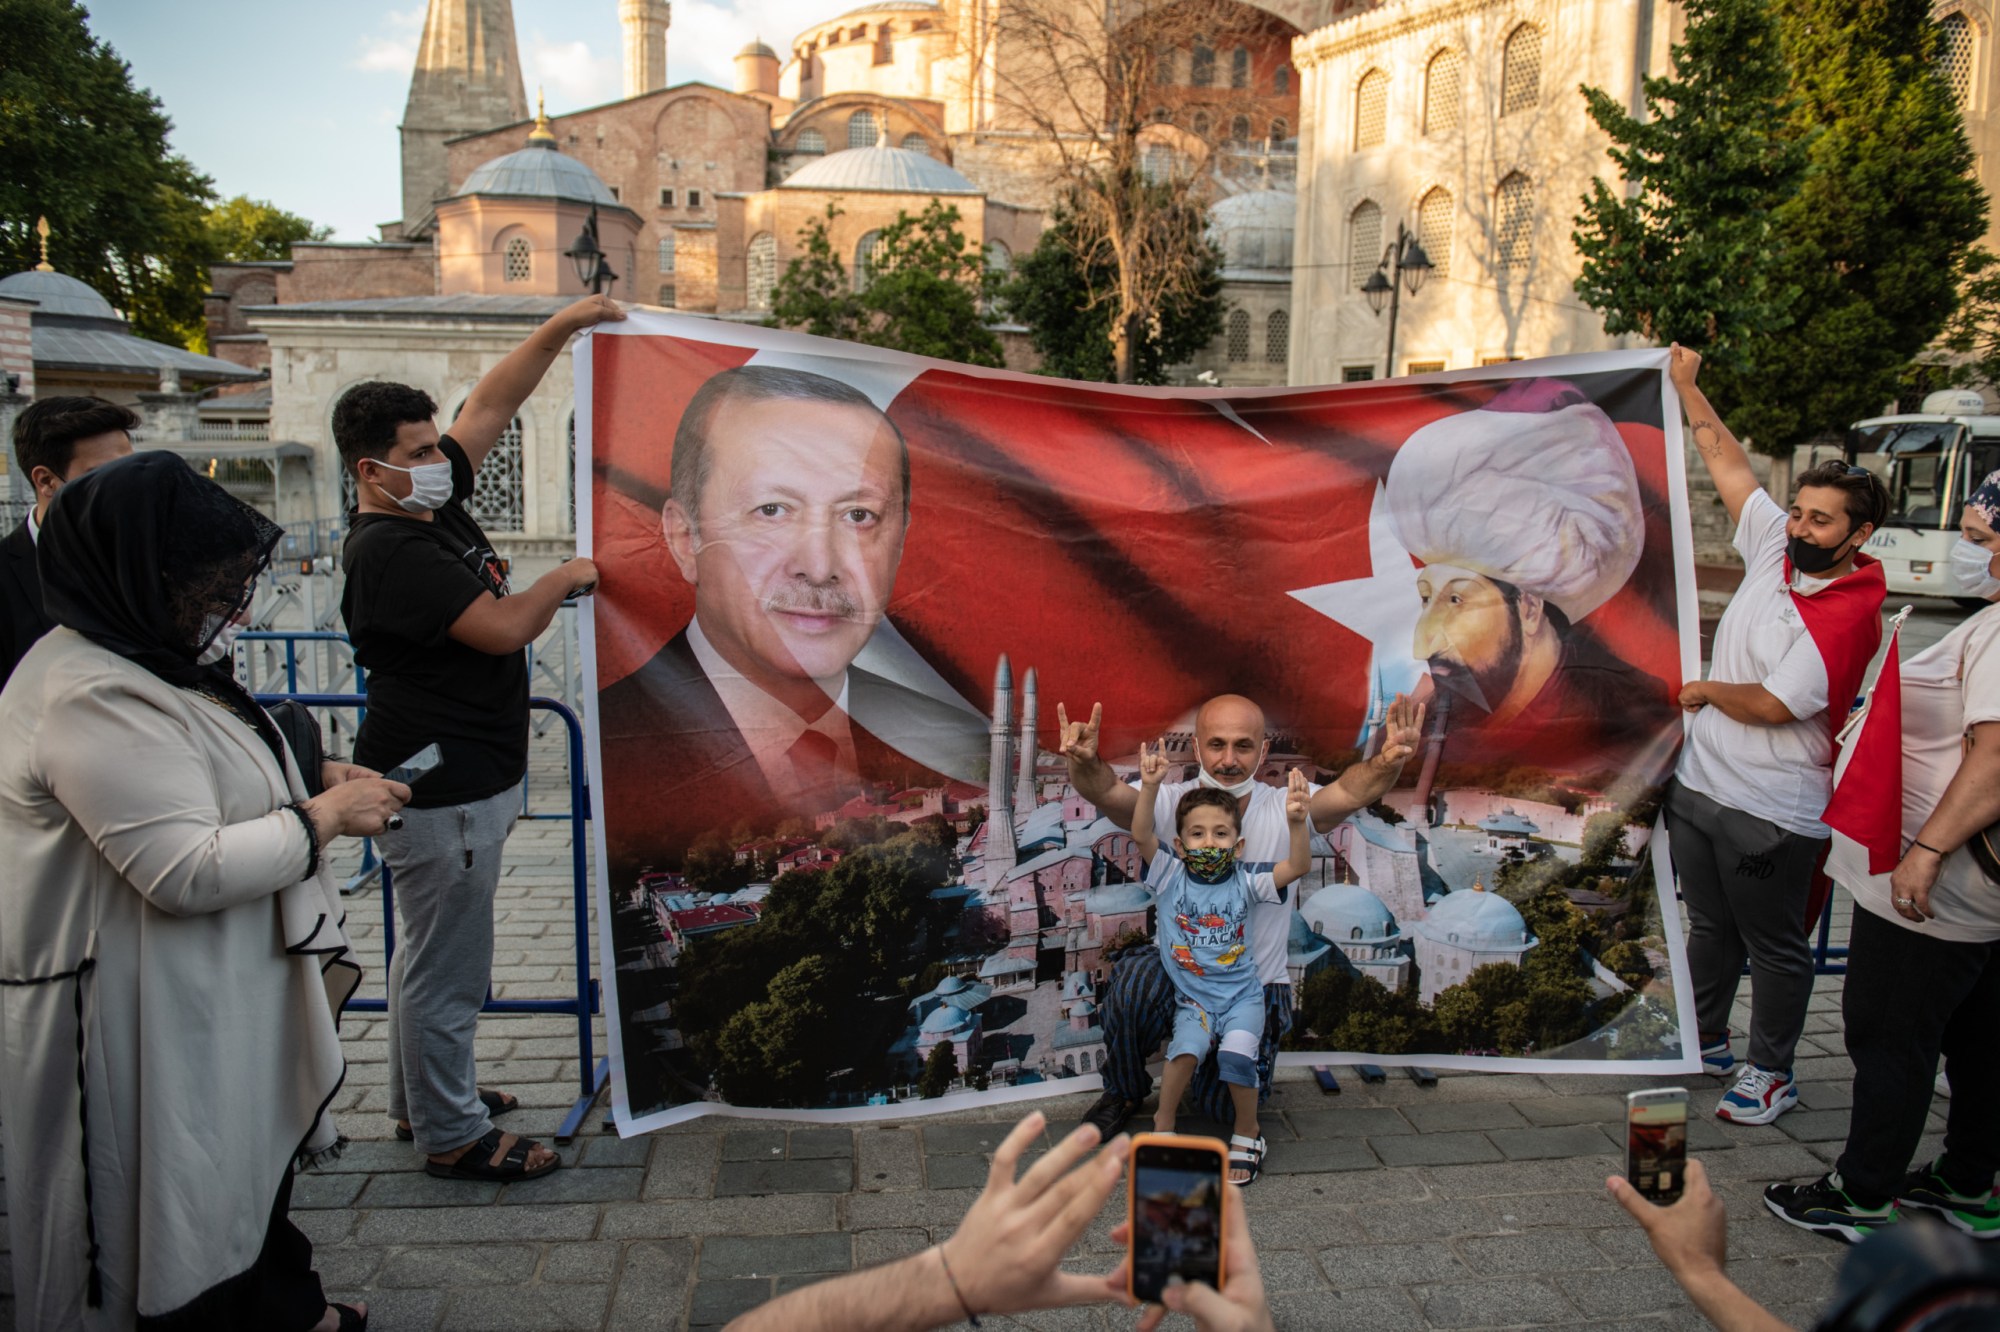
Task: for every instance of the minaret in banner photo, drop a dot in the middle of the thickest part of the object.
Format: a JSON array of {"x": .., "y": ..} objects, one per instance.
[{"x": 1025, "y": 789}]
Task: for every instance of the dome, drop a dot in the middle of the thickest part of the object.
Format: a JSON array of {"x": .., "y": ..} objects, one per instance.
[
  {"x": 1508, "y": 824},
  {"x": 1338, "y": 910},
  {"x": 950, "y": 985},
  {"x": 883, "y": 168},
  {"x": 945, "y": 1019},
  {"x": 757, "y": 49},
  {"x": 1254, "y": 229},
  {"x": 1082, "y": 1008},
  {"x": 890, "y": 7},
  {"x": 538, "y": 172},
  {"x": 58, "y": 294},
  {"x": 1477, "y": 920}
]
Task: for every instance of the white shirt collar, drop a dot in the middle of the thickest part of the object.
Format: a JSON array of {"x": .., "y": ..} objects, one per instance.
[
  {"x": 768, "y": 726},
  {"x": 34, "y": 529}
]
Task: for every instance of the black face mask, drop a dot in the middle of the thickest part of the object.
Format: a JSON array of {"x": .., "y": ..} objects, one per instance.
[{"x": 1810, "y": 559}]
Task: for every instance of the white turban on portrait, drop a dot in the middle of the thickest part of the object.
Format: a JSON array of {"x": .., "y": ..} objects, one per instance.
[{"x": 1535, "y": 489}]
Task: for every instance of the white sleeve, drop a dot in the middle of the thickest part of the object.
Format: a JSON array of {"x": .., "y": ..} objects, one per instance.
[
  {"x": 1799, "y": 681},
  {"x": 1760, "y": 530},
  {"x": 1979, "y": 670}
]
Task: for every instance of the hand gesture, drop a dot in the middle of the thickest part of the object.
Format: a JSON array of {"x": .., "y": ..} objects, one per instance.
[
  {"x": 582, "y": 574},
  {"x": 1079, "y": 739},
  {"x": 1298, "y": 800},
  {"x": 1402, "y": 730},
  {"x": 592, "y": 310},
  {"x": 1690, "y": 1236},
  {"x": 1683, "y": 365},
  {"x": 1152, "y": 765}
]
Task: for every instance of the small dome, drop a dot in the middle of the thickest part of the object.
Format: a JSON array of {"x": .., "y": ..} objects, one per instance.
[
  {"x": 540, "y": 171},
  {"x": 757, "y": 49},
  {"x": 883, "y": 168},
  {"x": 1509, "y": 824},
  {"x": 58, "y": 294},
  {"x": 1082, "y": 1008},
  {"x": 1480, "y": 920},
  {"x": 946, "y": 1019},
  {"x": 1254, "y": 229},
  {"x": 950, "y": 985},
  {"x": 1336, "y": 911}
]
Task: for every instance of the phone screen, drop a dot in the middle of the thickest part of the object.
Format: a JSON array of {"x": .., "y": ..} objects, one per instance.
[
  {"x": 1656, "y": 1143},
  {"x": 415, "y": 766},
  {"x": 1176, "y": 1217}
]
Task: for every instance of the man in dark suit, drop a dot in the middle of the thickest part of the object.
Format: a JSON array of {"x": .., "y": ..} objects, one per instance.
[
  {"x": 788, "y": 507},
  {"x": 55, "y": 440}
]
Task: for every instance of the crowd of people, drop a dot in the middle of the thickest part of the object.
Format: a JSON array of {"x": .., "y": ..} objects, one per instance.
[{"x": 173, "y": 962}]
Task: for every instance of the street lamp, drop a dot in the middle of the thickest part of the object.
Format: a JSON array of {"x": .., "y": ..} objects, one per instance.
[
  {"x": 592, "y": 269},
  {"x": 1404, "y": 264}
]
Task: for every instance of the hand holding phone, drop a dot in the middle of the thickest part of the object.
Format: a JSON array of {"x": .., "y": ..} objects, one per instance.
[
  {"x": 1656, "y": 1142},
  {"x": 1175, "y": 1203},
  {"x": 416, "y": 765}
]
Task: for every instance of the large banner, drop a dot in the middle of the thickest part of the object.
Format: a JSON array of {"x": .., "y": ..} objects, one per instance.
[{"x": 841, "y": 867}]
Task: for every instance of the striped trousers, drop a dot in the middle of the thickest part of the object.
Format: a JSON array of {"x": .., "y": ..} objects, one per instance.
[{"x": 1138, "y": 1016}]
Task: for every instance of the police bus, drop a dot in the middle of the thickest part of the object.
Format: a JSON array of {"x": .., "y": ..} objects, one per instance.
[{"x": 1931, "y": 461}]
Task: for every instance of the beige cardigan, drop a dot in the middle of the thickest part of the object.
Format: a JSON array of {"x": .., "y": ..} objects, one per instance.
[{"x": 147, "y": 865}]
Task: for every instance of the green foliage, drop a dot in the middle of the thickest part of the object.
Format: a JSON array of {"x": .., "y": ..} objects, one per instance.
[
  {"x": 924, "y": 292},
  {"x": 775, "y": 1052},
  {"x": 939, "y": 1070},
  {"x": 245, "y": 229},
  {"x": 81, "y": 145},
  {"x": 1604, "y": 839},
  {"x": 1629, "y": 960},
  {"x": 1351, "y": 1012},
  {"x": 710, "y": 865},
  {"x": 1069, "y": 300}
]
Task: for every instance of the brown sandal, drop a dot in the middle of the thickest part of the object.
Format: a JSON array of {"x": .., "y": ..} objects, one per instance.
[{"x": 477, "y": 1161}]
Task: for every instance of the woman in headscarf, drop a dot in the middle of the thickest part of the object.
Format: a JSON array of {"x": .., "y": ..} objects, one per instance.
[{"x": 172, "y": 962}]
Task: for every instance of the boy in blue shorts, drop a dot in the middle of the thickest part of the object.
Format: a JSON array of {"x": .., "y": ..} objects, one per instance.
[{"x": 1203, "y": 896}]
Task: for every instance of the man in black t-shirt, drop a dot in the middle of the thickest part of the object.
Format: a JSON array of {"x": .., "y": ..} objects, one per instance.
[{"x": 442, "y": 636}]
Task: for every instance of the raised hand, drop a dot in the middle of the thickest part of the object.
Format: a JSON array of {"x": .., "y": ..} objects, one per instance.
[
  {"x": 1298, "y": 800},
  {"x": 1402, "y": 731},
  {"x": 1152, "y": 765},
  {"x": 1079, "y": 739}
]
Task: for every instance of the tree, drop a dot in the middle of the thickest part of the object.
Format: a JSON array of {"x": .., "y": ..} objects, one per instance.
[
  {"x": 245, "y": 230},
  {"x": 81, "y": 145},
  {"x": 923, "y": 293},
  {"x": 939, "y": 1070},
  {"x": 776, "y": 1052},
  {"x": 1604, "y": 839},
  {"x": 1687, "y": 255},
  {"x": 1064, "y": 296}
]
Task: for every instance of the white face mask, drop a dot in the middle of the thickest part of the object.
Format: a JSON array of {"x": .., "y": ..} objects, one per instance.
[
  {"x": 1972, "y": 569},
  {"x": 222, "y": 644},
  {"x": 430, "y": 486},
  {"x": 1241, "y": 789}
]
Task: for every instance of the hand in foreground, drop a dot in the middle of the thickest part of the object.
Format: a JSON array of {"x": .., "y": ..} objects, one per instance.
[
  {"x": 359, "y": 807},
  {"x": 591, "y": 310},
  {"x": 1152, "y": 766},
  {"x": 1690, "y": 1236},
  {"x": 1402, "y": 731},
  {"x": 1683, "y": 364},
  {"x": 582, "y": 575},
  {"x": 1914, "y": 877},
  {"x": 1694, "y": 696},
  {"x": 332, "y": 772},
  {"x": 1238, "y": 1307},
  {"x": 1079, "y": 739},
  {"x": 1298, "y": 800},
  {"x": 1007, "y": 1254}
]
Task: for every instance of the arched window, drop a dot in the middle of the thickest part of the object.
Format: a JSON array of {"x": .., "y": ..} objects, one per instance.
[
  {"x": 999, "y": 259},
  {"x": 1354, "y": 933},
  {"x": 1239, "y": 67},
  {"x": 1277, "y": 337},
  {"x": 864, "y": 259},
  {"x": 1513, "y": 222},
  {"x": 916, "y": 143},
  {"x": 666, "y": 252},
  {"x": 1201, "y": 65},
  {"x": 1280, "y": 131},
  {"x": 1239, "y": 130},
  {"x": 884, "y": 52},
  {"x": 1521, "y": 70},
  {"x": 1954, "y": 54},
  {"x": 1371, "y": 109},
  {"x": 1444, "y": 81},
  {"x": 496, "y": 488},
  {"x": 1434, "y": 218},
  {"x": 1156, "y": 162},
  {"x": 1239, "y": 335},
  {"x": 861, "y": 131},
  {"x": 811, "y": 141},
  {"x": 762, "y": 273},
  {"x": 1201, "y": 125},
  {"x": 1364, "y": 241},
  {"x": 520, "y": 260},
  {"x": 1281, "y": 81}
]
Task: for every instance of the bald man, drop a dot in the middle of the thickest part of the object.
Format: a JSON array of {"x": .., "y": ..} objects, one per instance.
[{"x": 1231, "y": 745}]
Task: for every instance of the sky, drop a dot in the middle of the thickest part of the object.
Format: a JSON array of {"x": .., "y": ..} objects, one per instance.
[{"x": 299, "y": 103}]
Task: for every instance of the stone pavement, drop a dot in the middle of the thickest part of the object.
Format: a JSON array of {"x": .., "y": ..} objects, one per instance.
[{"x": 1477, "y": 1203}]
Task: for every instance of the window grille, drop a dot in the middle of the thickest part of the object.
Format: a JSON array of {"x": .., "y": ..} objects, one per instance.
[
  {"x": 1364, "y": 241},
  {"x": 496, "y": 488},
  {"x": 1444, "y": 85},
  {"x": 667, "y": 198},
  {"x": 1239, "y": 335},
  {"x": 861, "y": 132},
  {"x": 916, "y": 143},
  {"x": 811, "y": 141},
  {"x": 1425, "y": 367},
  {"x": 1277, "y": 337},
  {"x": 1280, "y": 131},
  {"x": 1371, "y": 109},
  {"x": 1434, "y": 219},
  {"x": 763, "y": 269},
  {"x": 1281, "y": 82},
  {"x": 1201, "y": 66},
  {"x": 1513, "y": 222},
  {"x": 1356, "y": 374},
  {"x": 1954, "y": 54},
  {"x": 1155, "y": 163},
  {"x": 667, "y": 252},
  {"x": 1239, "y": 68},
  {"x": 884, "y": 52},
  {"x": 1201, "y": 125},
  {"x": 1521, "y": 70},
  {"x": 520, "y": 262},
  {"x": 864, "y": 259},
  {"x": 1239, "y": 130},
  {"x": 694, "y": 198},
  {"x": 667, "y": 294}
]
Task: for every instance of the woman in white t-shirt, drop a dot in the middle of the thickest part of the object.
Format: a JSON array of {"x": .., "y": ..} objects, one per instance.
[
  {"x": 1744, "y": 807},
  {"x": 1923, "y": 959}
]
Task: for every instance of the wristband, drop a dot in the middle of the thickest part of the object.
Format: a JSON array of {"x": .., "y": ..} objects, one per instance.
[
  {"x": 1922, "y": 847},
  {"x": 965, "y": 1308}
]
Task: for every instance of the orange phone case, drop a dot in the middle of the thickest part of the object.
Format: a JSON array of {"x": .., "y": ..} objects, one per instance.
[{"x": 1185, "y": 1142}]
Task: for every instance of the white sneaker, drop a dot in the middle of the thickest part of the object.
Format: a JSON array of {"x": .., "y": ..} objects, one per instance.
[{"x": 1759, "y": 1096}]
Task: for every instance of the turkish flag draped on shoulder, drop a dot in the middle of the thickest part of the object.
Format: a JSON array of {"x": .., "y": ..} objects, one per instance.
[{"x": 1867, "y": 804}]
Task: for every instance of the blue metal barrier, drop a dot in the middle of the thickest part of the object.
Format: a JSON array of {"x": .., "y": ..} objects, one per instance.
[
  {"x": 592, "y": 1072},
  {"x": 291, "y": 638},
  {"x": 1823, "y": 954}
]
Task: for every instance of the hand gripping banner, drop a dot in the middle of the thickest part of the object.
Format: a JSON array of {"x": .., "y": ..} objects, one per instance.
[{"x": 844, "y": 867}]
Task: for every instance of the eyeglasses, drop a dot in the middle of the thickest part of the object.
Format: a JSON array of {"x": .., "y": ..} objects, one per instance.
[{"x": 1852, "y": 470}]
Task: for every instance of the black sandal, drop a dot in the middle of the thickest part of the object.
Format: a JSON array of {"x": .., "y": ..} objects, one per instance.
[
  {"x": 351, "y": 1319},
  {"x": 477, "y": 1161},
  {"x": 497, "y": 1103}
]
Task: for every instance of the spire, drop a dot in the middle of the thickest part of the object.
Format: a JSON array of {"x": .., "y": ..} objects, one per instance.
[
  {"x": 541, "y": 134},
  {"x": 999, "y": 856},
  {"x": 467, "y": 79},
  {"x": 1024, "y": 787},
  {"x": 645, "y": 24},
  {"x": 42, "y": 230}
]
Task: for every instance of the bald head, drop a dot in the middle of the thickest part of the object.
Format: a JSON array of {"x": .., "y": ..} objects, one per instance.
[{"x": 1229, "y": 737}]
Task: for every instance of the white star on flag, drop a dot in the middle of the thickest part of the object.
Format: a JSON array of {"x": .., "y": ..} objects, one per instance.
[{"x": 1382, "y": 608}]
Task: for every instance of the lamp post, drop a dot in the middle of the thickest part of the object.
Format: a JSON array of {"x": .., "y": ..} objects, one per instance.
[
  {"x": 592, "y": 269},
  {"x": 1404, "y": 264}
]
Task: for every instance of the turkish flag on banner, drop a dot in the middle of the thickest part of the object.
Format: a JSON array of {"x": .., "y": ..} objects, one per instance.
[{"x": 1867, "y": 803}]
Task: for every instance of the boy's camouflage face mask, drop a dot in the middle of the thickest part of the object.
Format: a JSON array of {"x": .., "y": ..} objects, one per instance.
[{"x": 1210, "y": 864}]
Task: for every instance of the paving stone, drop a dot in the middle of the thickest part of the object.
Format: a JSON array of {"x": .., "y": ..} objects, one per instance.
[
  {"x": 1491, "y": 1181},
  {"x": 969, "y": 1139},
  {"x": 653, "y": 1286},
  {"x": 1547, "y": 1251},
  {"x": 507, "y": 1307},
  {"x": 1275, "y": 1192},
  {"x": 341, "y": 1267},
  {"x": 754, "y": 1177},
  {"x": 1446, "y": 1117},
  {"x": 368, "y": 1158},
  {"x": 1490, "y": 1303},
  {"x": 580, "y": 1262},
  {"x": 612, "y": 1184},
  {"x": 1425, "y": 1220},
  {"x": 716, "y": 1302},
  {"x": 477, "y": 1225},
  {"x": 1289, "y": 1269},
  {"x": 1541, "y": 1144},
  {"x": 874, "y": 1247},
  {"x": 404, "y": 1308},
  {"x": 327, "y": 1227},
  {"x": 754, "y": 1145},
  {"x": 822, "y": 1144},
  {"x": 889, "y": 1159},
  {"x": 1359, "y": 1121},
  {"x": 955, "y": 1172},
  {"x": 1391, "y": 1264},
  {"x": 725, "y": 1256},
  {"x": 1554, "y": 1111},
  {"x": 1297, "y": 1158},
  {"x": 1815, "y": 1125},
  {"x": 460, "y": 1265},
  {"x": 1793, "y": 1280},
  {"x": 1622, "y": 1292},
  {"x": 609, "y": 1150},
  {"x": 931, "y": 1209},
  {"x": 778, "y": 1214},
  {"x": 682, "y": 1166},
  {"x": 1423, "y": 1149},
  {"x": 1788, "y": 1161},
  {"x": 421, "y": 1190},
  {"x": 1383, "y": 1307},
  {"x": 1534, "y": 1210},
  {"x": 312, "y": 1191}
]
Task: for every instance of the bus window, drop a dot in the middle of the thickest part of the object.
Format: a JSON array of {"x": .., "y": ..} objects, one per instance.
[{"x": 1921, "y": 462}]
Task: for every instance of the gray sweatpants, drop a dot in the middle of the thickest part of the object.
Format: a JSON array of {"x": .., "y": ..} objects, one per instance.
[
  {"x": 446, "y": 866},
  {"x": 1746, "y": 882}
]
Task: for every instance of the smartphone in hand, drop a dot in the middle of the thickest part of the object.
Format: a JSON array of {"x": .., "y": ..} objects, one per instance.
[
  {"x": 416, "y": 765},
  {"x": 1175, "y": 1200},
  {"x": 1656, "y": 1142}
]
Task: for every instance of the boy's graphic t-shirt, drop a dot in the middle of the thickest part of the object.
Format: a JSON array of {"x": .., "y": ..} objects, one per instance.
[{"x": 1203, "y": 928}]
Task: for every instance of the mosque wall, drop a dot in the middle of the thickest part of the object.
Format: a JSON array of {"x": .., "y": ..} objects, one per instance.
[{"x": 342, "y": 271}]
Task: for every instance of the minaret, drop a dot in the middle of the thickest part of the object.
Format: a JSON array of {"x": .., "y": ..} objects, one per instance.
[
  {"x": 645, "y": 24},
  {"x": 468, "y": 78},
  {"x": 1000, "y": 847},
  {"x": 1024, "y": 789}
]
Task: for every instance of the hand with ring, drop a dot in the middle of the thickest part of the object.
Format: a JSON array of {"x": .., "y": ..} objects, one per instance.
[
  {"x": 1911, "y": 882},
  {"x": 394, "y": 823}
]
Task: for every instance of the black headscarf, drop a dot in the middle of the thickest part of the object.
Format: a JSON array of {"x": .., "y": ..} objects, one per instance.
[{"x": 148, "y": 558}]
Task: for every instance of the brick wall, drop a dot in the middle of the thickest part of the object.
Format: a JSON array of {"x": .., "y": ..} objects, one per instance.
[{"x": 323, "y": 271}]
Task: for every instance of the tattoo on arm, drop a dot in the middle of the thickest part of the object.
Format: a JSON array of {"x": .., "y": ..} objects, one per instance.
[{"x": 1712, "y": 446}]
